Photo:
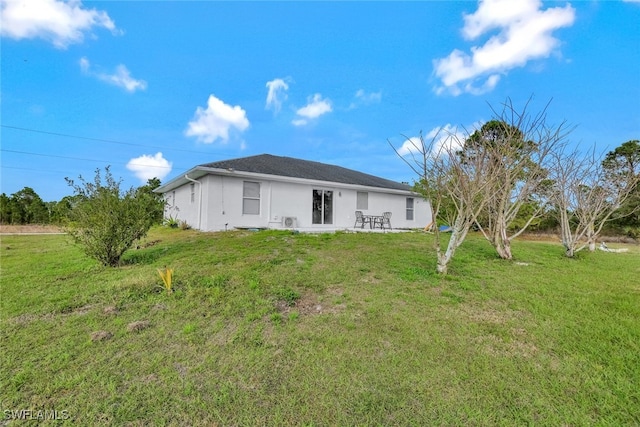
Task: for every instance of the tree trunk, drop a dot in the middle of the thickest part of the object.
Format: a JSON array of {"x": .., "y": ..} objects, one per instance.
[
  {"x": 457, "y": 236},
  {"x": 570, "y": 251},
  {"x": 501, "y": 241},
  {"x": 591, "y": 238},
  {"x": 503, "y": 247}
]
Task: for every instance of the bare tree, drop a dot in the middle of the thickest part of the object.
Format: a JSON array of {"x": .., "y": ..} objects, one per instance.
[
  {"x": 586, "y": 195},
  {"x": 518, "y": 146},
  {"x": 456, "y": 189}
]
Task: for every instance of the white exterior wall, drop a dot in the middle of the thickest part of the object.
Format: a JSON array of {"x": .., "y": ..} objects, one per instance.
[
  {"x": 179, "y": 206},
  {"x": 222, "y": 198}
]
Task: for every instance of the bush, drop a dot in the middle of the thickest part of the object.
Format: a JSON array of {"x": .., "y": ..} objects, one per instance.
[{"x": 105, "y": 221}]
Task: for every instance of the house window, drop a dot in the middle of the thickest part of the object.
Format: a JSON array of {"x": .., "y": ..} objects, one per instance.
[
  {"x": 362, "y": 201},
  {"x": 193, "y": 192},
  {"x": 251, "y": 198},
  {"x": 322, "y": 207},
  {"x": 409, "y": 208}
]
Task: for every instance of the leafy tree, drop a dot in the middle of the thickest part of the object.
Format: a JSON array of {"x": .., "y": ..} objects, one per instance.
[
  {"x": 157, "y": 212},
  {"x": 59, "y": 211},
  {"x": 23, "y": 207},
  {"x": 625, "y": 161},
  {"x": 517, "y": 146},
  {"x": 5, "y": 209},
  {"x": 107, "y": 221}
]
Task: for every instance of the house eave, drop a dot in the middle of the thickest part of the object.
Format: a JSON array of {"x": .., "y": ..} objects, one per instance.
[{"x": 200, "y": 171}]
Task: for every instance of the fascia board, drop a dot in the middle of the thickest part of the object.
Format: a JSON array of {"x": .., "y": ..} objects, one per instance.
[{"x": 288, "y": 179}]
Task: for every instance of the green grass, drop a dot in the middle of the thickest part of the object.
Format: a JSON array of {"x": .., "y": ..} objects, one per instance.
[{"x": 275, "y": 328}]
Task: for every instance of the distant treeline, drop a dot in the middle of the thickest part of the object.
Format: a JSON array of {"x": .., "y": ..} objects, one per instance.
[{"x": 27, "y": 207}]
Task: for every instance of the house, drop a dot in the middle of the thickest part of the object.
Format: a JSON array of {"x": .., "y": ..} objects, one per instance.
[{"x": 267, "y": 191}]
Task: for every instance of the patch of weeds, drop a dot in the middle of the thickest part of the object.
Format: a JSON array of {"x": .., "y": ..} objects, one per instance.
[
  {"x": 219, "y": 280},
  {"x": 414, "y": 274},
  {"x": 216, "y": 295},
  {"x": 189, "y": 328},
  {"x": 254, "y": 284},
  {"x": 294, "y": 315},
  {"x": 452, "y": 296},
  {"x": 288, "y": 295},
  {"x": 142, "y": 256},
  {"x": 276, "y": 318}
]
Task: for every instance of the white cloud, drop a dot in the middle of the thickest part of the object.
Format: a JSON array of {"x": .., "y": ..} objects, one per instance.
[
  {"x": 216, "y": 120},
  {"x": 85, "y": 65},
  {"x": 524, "y": 34},
  {"x": 121, "y": 77},
  {"x": 147, "y": 166},
  {"x": 315, "y": 108},
  {"x": 59, "y": 22},
  {"x": 448, "y": 138},
  {"x": 364, "y": 98},
  {"x": 277, "y": 94}
]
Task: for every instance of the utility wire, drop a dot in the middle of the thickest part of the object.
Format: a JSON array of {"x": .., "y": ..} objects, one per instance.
[
  {"x": 101, "y": 140},
  {"x": 75, "y": 158}
]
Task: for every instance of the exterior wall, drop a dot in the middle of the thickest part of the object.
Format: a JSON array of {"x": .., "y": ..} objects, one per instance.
[
  {"x": 222, "y": 201},
  {"x": 179, "y": 205}
]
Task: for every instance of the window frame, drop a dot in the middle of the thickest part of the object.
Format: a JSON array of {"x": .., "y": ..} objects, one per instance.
[
  {"x": 248, "y": 199},
  {"x": 362, "y": 200},
  {"x": 410, "y": 210}
]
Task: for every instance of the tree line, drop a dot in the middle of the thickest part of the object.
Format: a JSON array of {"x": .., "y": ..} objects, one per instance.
[{"x": 27, "y": 207}]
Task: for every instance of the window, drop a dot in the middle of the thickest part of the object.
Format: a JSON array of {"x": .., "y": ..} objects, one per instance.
[
  {"x": 193, "y": 192},
  {"x": 409, "y": 208},
  {"x": 322, "y": 207},
  {"x": 362, "y": 201},
  {"x": 251, "y": 198}
]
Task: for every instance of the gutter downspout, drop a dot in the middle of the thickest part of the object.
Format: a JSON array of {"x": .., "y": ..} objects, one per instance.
[{"x": 199, "y": 199}]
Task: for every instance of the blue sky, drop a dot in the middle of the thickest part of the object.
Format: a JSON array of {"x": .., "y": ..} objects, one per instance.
[{"x": 153, "y": 88}]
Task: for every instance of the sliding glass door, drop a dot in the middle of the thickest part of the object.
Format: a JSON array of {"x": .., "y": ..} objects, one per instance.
[{"x": 322, "y": 207}]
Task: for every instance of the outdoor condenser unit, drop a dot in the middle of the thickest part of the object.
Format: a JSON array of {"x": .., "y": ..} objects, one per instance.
[{"x": 289, "y": 221}]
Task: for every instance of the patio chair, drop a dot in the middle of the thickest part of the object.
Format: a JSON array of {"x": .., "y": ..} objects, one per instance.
[
  {"x": 362, "y": 220},
  {"x": 384, "y": 220}
]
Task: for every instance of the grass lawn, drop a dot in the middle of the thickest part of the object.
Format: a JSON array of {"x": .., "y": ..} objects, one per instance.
[{"x": 275, "y": 328}]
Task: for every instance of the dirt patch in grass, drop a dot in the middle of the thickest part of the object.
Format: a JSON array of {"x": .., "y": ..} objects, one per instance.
[
  {"x": 30, "y": 229},
  {"x": 110, "y": 309},
  {"x": 498, "y": 347},
  {"x": 555, "y": 238},
  {"x": 101, "y": 336},
  {"x": 310, "y": 304},
  {"x": 138, "y": 325},
  {"x": 27, "y": 318}
]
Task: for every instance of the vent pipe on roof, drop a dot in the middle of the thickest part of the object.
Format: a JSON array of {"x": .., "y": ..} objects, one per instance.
[{"x": 199, "y": 198}]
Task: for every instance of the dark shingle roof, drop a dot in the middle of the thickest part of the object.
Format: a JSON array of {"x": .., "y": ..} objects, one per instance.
[{"x": 287, "y": 166}]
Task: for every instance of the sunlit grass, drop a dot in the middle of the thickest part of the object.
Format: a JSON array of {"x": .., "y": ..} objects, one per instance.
[{"x": 276, "y": 328}]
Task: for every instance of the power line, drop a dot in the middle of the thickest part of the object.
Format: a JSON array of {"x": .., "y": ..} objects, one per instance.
[
  {"x": 101, "y": 140},
  {"x": 78, "y": 158},
  {"x": 33, "y": 169}
]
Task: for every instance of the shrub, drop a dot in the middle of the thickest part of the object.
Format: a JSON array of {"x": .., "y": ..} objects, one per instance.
[
  {"x": 171, "y": 222},
  {"x": 106, "y": 221}
]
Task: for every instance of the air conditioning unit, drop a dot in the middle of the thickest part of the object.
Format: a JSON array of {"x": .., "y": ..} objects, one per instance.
[{"x": 289, "y": 221}]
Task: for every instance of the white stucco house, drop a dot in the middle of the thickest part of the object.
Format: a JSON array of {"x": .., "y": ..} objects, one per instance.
[{"x": 274, "y": 192}]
